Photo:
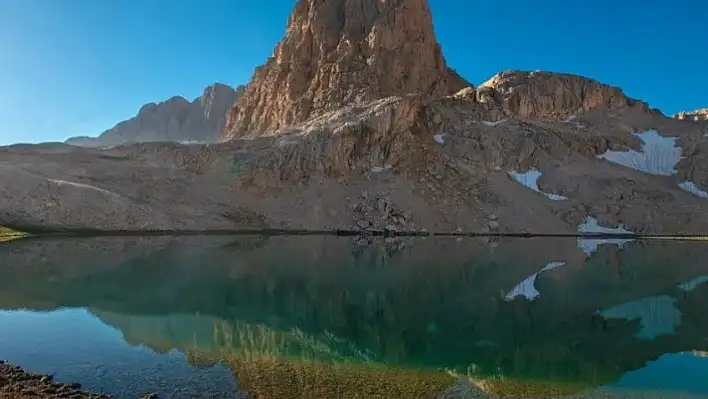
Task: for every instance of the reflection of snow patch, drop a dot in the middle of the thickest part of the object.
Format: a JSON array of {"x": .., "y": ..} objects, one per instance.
[
  {"x": 530, "y": 180},
  {"x": 439, "y": 138},
  {"x": 691, "y": 285},
  {"x": 659, "y": 155},
  {"x": 527, "y": 287},
  {"x": 380, "y": 168},
  {"x": 693, "y": 189},
  {"x": 591, "y": 226},
  {"x": 658, "y": 315},
  {"x": 490, "y": 123}
]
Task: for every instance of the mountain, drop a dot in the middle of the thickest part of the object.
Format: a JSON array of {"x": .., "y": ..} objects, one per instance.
[
  {"x": 697, "y": 115},
  {"x": 358, "y": 123},
  {"x": 338, "y": 52},
  {"x": 173, "y": 120}
]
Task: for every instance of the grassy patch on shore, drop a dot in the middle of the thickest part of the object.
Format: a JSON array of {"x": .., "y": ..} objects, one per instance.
[{"x": 7, "y": 234}]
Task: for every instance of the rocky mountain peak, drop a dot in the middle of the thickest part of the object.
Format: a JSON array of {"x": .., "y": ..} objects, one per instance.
[
  {"x": 697, "y": 115},
  {"x": 339, "y": 52},
  {"x": 176, "y": 119},
  {"x": 541, "y": 94}
]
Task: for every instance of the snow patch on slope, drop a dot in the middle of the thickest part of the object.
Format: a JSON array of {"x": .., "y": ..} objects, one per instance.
[
  {"x": 527, "y": 288},
  {"x": 658, "y": 315},
  {"x": 693, "y": 189},
  {"x": 530, "y": 180},
  {"x": 380, "y": 168},
  {"x": 570, "y": 118},
  {"x": 659, "y": 155},
  {"x": 439, "y": 138},
  {"x": 494, "y": 123},
  {"x": 591, "y": 226}
]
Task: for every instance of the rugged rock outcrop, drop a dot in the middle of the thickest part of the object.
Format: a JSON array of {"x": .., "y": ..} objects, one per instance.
[
  {"x": 339, "y": 52},
  {"x": 357, "y": 108},
  {"x": 697, "y": 115},
  {"x": 543, "y": 95},
  {"x": 176, "y": 119}
]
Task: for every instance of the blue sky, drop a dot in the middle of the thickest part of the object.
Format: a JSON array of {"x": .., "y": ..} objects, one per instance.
[{"x": 77, "y": 67}]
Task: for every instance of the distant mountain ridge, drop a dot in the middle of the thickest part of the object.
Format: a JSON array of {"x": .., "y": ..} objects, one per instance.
[
  {"x": 176, "y": 119},
  {"x": 697, "y": 115}
]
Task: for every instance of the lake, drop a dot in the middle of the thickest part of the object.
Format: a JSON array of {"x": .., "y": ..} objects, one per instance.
[{"x": 346, "y": 317}]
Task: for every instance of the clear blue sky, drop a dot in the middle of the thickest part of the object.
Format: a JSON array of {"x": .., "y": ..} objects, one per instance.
[{"x": 77, "y": 67}]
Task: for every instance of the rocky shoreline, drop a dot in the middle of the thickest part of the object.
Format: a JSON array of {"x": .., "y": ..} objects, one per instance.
[{"x": 17, "y": 383}]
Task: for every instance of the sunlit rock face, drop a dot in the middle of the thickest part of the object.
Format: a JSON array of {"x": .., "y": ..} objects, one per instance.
[
  {"x": 339, "y": 52},
  {"x": 175, "y": 120},
  {"x": 697, "y": 115}
]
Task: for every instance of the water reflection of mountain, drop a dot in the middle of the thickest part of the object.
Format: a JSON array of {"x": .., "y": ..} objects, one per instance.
[{"x": 410, "y": 305}]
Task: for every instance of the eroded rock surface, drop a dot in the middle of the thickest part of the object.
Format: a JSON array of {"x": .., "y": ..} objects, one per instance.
[
  {"x": 176, "y": 119},
  {"x": 541, "y": 94},
  {"x": 339, "y": 52},
  {"x": 697, "y": 115},
  {"x": 356, "y": 106}
]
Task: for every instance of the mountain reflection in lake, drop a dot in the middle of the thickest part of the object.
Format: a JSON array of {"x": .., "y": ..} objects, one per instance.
[{"x": 327, "y": 317}]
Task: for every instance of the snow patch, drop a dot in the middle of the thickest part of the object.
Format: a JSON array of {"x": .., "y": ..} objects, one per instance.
[
  {"x": 84, "y": 186},
  {"x": 659, "y": 155},
  {"x": 494, "y": 123},
  {"x": 693, "y": 189},
  {"x": 691, "y": 285},
  {"x": 591, "y": 226},
  {"x": 527, "y": 287},
  {"x": 439, "y": 138},
  {"x": 658, "y": 315},
  {"x": 380, "y": 168},
  {"x": 530, "y": 180},
  {"x": 570, "y": 118}
]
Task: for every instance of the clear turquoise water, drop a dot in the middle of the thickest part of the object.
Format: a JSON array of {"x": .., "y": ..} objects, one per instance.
[{"x": 129, "y": 316}]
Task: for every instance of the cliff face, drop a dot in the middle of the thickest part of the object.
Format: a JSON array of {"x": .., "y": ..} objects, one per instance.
[
  {"x": 176, "y": 119},
  {"x": 339, "y": 52},
  {"x": 541, "y": 94},
  {"x": 357, "y": 123},
  {"x": 697, "y": 115}
]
